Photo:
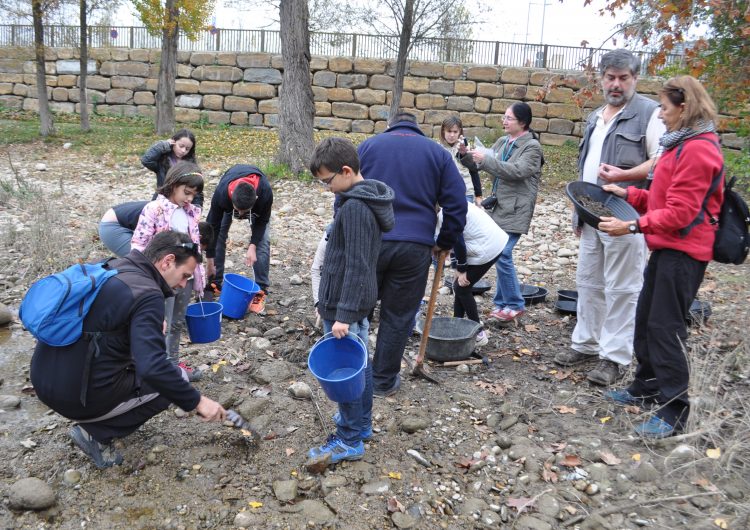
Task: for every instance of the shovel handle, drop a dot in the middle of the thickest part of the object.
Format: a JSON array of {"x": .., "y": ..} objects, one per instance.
[{"x": 431, "y": 307}]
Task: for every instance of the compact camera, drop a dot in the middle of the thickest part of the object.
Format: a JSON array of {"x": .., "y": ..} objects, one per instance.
[{"x": 489, "y": 203}]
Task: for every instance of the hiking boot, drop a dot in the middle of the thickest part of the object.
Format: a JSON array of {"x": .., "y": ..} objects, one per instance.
[
  {"x": 338, "y": 450},
  {"x": 606, "y": 373},
  {"x": 378, "y": 393},
  {"x": 258, "y": 303},
  {"x": 103, "y": 455},
  {"x": 366, "y": 433},
  {"x": 572, "y": 357},
  {"x": 482, "y": 338},
  {"x": 507, "y": 314},
  {"x": 194, "y": 374},
  {"x": 623, "y": 397},
  {"x": 654, "y": 427}
]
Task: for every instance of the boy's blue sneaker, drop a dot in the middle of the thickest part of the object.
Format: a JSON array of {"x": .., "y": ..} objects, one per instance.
[
  {"x": 103, "y": 455},
  {"x": 366, "y": 435},
  {"x": 338, "y": 450},
  {"x": 654, "y": 428},
  {"x": 623, "y": 397}
]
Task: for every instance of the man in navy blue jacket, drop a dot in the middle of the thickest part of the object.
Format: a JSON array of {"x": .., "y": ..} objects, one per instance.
[
  {"x": 422, "y": 174},
  {"x": 245, "y": 193},
  {"x": 117, "y": 376}
]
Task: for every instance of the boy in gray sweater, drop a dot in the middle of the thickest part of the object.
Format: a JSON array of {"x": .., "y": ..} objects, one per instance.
[{"x": 348, "y": 285}]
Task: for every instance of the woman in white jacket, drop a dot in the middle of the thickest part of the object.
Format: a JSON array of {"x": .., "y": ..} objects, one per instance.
[{"x": 476, "y": 250}]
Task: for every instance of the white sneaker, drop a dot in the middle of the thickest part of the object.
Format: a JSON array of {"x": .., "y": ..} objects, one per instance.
[{"x": 482, "y": 338}]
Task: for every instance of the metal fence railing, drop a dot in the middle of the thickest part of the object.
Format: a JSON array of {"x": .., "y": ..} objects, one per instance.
[{"x": 332, "y": 44}]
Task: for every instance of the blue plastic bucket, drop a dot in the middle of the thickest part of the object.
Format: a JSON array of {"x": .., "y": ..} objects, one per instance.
[
  {"x": 236, "y": 293},
  {"x": 339, "y": 366},
  {"x": 204, "y": 321}
]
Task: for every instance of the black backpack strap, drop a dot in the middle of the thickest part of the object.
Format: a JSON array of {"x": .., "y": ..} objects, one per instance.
[{"x": 711, "y": 190}]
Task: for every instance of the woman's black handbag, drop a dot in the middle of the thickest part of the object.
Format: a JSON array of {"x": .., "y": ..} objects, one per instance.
[{"x": 489, "y": 203}]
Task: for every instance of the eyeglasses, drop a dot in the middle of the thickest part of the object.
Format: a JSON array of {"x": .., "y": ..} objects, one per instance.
[
  {"x": 509, "y": 118},
  {"x": 195, "y": 248},
  {"x": 327, "y": 182}
]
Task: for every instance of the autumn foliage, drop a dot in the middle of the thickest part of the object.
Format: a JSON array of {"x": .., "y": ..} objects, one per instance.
[{"x": 191, "y": 15}]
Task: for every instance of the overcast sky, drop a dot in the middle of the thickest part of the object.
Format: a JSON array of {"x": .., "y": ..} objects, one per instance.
[{"x": 565, "y": 24}]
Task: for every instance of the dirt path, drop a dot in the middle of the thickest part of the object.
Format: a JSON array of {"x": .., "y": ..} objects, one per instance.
[{"x": 517, "y": 443}]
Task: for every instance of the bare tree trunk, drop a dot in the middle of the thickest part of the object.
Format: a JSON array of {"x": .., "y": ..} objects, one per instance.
[
  {"x": 82, "y": 79},
  {"x": 403, "y": 51},
  {"x": 296, "y": 106},
  {"x": 167, "y": 72},
  {"x": 46, "y": 126}
]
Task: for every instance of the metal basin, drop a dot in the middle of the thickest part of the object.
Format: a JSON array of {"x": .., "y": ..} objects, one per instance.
[{"x": 451, "y": 339}]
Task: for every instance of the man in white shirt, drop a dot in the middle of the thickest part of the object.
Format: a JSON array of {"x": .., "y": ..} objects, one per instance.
[{"x": 619, "y": 146}]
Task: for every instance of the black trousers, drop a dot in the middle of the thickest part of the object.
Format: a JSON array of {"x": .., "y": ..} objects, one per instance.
[
  {"x": 402, "y": 276},
  {"x": 670, "y": 284},
  {"x": 464, "y": 303}
]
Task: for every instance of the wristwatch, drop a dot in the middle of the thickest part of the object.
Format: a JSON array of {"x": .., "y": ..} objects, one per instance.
[{"x": 633, "y": 228}]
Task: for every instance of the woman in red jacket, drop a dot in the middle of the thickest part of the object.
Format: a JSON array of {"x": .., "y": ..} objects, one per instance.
[{"x": 681, "y": 236}]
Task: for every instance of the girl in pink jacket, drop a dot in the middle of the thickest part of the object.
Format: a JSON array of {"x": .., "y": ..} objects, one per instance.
[{"x": 173, "y": 210}]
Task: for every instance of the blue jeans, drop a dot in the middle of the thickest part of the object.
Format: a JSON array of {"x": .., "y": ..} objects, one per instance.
[
  {"x": 355, "y": 416},
  {"x": 115, "y": 237},
  {"x": 262, "y": 252},
  {"x": 508, "y": 290}
]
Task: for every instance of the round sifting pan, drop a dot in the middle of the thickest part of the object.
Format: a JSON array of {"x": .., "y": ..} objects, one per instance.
[{"x": 580, "y": 191}]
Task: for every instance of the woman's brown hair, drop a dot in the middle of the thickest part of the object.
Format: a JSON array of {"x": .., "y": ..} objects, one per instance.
[{"x": 699, "y": 107}]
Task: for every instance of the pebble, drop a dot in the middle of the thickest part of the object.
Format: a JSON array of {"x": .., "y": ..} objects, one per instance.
[
  {"x": 295, "y": 280},
  {"x": 473, "y": 505},
  {"x": 71, "y": 477},
  {"x": 317, "y": 512},
  {"x": 31, "y": 494},
  {"x": 332, "y": 482},
  {"x": 244, "y": 520},
  {"x": 274, "y": 333},
  {"x": 527, "y": 522},
  {"x": 463, "y": 369},
  {"x": 592, "y": 489},
  {"x": 9, "y": 402},
  {"x": 490, "y": 518},
  {"x": 416, "y": 455},
  {"x": 40, "y": 167},
  {"x": 377, "y": 487},
  {"x": 67, "y": 145},
  {"x": 260, "y": 343},
  {"x": 645, "y": 472},
  {"x": 403, "y": 520},
  {"x": 178, "y": 412},
  {"x": 272, "y": 372},
  {"x": 285, "y": 490},
  {"x": 504, "y": 441},
  {"x": 320, "y": 211},
  {"x": 680, "y": 455},
  {"x": 6, "y": 315},
  {"x": 412, "y": 424},
  {"x": 548, "y": 505},
  {"x": 300, "y": 390}
]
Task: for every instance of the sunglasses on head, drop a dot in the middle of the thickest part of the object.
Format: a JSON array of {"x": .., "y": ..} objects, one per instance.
[{"x": 195, "y": 248}]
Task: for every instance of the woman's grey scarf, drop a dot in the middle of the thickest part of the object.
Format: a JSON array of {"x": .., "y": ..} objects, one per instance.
[{"x": 674, "y": 138}]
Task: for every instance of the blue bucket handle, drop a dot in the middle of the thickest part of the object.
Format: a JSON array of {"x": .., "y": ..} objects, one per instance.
[{"x": 353, "y": 336}]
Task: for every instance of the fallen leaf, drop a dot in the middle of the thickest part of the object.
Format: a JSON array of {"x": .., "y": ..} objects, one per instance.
[
  {"x": 494, "y": 388},
  {"x": 465, "y": 462},
  {"x": 244, "y": 367},
  {"x": 394, "y": 475},
  {"x": 632, "y": 409},
  {"x": 557, "y": 447},
  {"x": 548, "y": 475},
  {"x": 605, "y": 419},
  {"x": 255, "y": 504},
  {"x": 562, "y": 374},
  {"x": 571, "y": 461},
  {"x": 608, "y": 458},
  {"x": 636, "y": 457},
  {"x": 520, "y": 504},
  {"x": 530, "y": 328},
  {"x": 483, "y": 429},
  {"x": 714, "y": 454},
  {"x": 289, "y": 451},
  {"x": 564, "y": 409},
  {"x": 395, "y": 506},
  {"x": 721, "y": 523}
]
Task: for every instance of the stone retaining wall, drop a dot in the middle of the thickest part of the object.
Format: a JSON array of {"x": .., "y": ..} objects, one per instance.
[{"x": 351, "y": 95}]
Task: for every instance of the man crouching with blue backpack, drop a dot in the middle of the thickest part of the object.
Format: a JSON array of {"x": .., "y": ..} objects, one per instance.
[{"x": 117, "y": 376}]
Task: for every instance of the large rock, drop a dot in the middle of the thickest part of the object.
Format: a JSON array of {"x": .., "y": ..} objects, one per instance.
[
  {"x": 9, "y": 402},
  {"x": 317, "y": 512},
  {"x": 285, "y": 490},
  {"x": 6, "y": 316},
  {"x": 272, "y": 372},
  {"x": 31, "y": 494},
  {"x": 74, "y": 67},
  {"x": 263, "y": 75}
]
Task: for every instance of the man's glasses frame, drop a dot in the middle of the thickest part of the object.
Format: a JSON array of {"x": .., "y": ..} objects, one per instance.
[{"x": 327, "y": 182}]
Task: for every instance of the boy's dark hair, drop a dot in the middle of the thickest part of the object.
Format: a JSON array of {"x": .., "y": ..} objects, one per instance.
[
  {"x": 333, "y": 154},
  {"x": 206, "y": 232},
  {"x": 244, "y": 196},
  {"x": 402, "y": 115},
  {"x": 170, "y": 242},
  {"x": 186, "y": 133},
  {"x": 187, "y": 173}
]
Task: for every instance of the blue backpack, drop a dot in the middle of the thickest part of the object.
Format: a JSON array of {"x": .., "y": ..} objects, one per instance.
[{"x": 54, "y": 307}]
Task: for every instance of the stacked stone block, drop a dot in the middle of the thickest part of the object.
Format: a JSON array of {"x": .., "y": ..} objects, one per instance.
[{"x": 351, "y": 95}]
